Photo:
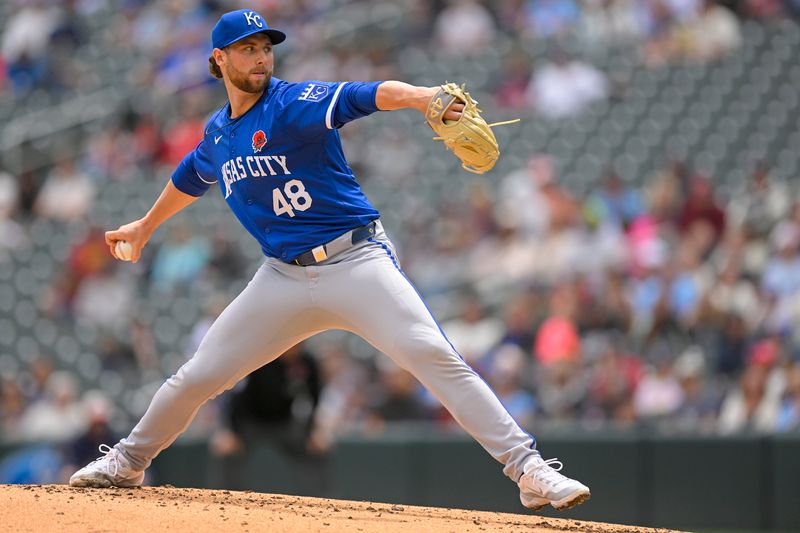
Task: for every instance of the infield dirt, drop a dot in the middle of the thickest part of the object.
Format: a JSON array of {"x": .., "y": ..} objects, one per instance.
[{"x": 59, "y": 508}]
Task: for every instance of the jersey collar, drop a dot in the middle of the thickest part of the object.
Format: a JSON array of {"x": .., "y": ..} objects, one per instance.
[{"x": 224, "y": 113}]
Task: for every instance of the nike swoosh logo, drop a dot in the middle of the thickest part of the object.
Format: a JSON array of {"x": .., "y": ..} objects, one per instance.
[{"x": 216, "y": 139}]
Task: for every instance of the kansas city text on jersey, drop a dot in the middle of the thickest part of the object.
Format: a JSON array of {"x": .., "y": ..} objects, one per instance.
[
  {"x": 236, "y": 169},
  {"x": 258, "y": 146}
]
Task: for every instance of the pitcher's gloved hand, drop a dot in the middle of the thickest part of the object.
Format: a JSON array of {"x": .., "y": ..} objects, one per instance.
[{"x": 469, "y": 137}]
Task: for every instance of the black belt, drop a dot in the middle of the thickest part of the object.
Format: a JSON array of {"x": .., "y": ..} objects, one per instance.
[{"x": 337, "y": 245}]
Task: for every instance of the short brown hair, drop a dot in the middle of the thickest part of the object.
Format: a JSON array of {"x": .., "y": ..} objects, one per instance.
[{"x": 213, "y": 68}]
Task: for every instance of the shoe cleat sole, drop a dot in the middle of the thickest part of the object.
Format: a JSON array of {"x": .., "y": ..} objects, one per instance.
[
  {"x": 91, "y": 483},
  {"x": 567, "y": 503}
]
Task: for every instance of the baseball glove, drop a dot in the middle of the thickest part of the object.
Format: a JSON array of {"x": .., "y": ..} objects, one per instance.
[{"x": 469, "y": 137}]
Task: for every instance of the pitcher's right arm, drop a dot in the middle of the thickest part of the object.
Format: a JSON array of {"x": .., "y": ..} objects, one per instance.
[
  {"x": 138, "y": 232},
  {"x": 191, "y": 179}
]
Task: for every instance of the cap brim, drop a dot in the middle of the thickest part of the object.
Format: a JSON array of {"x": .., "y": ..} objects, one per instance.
[{"x": 276, "y": 36}]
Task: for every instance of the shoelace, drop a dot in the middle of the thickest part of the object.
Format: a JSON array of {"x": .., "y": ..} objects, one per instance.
[
  {"x": 546, "y": 472},
  {"x": 107, "y": 450}
]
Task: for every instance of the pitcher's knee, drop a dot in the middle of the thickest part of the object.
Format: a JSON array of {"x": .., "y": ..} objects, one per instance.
[
  {"x": 426, "y": 351},
  {"x": 196, "y": 382}
]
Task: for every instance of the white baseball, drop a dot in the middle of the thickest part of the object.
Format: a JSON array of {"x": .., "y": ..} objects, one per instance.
[{"x": 124, "y": 250}]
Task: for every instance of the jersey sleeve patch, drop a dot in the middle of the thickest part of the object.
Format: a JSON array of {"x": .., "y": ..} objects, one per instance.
[
  {"x": 305, "y": 108},
  {"x": 312, "y": 109},
  {"x": 314, "y": 92}
]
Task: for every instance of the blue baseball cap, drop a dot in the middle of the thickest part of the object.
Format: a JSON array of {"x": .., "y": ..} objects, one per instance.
[{"x": 237, "y": 25}]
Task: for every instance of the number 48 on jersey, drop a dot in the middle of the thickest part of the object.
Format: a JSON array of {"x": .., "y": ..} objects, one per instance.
[{"x": 298, "y": 198}]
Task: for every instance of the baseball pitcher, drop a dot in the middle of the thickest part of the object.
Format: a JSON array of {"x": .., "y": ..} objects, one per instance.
[{"x": 275, "y": 155}]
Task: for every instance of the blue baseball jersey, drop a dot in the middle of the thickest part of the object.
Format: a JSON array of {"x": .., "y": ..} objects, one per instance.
[{"x": 280, "y": 166}]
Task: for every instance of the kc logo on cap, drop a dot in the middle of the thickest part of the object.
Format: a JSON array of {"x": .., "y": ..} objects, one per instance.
[
  {"x": 237, "y": 25},
  {"x": 253, "y": 18}
]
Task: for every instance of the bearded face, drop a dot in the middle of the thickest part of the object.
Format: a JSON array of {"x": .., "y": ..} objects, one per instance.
[
  {"x": 247, "y": 63},
  {"x": 252, "y": 81}
]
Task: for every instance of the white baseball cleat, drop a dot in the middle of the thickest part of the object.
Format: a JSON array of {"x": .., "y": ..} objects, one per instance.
[
  {"x": 541, "y": 484},
  {"x": 110, "y": 470}
]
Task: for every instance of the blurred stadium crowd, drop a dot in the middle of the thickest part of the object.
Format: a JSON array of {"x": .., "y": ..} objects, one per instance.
[{"x": 633, "y": 261}]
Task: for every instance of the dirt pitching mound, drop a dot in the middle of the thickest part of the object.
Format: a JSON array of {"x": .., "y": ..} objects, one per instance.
[{"x": 40, "y": 508}]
